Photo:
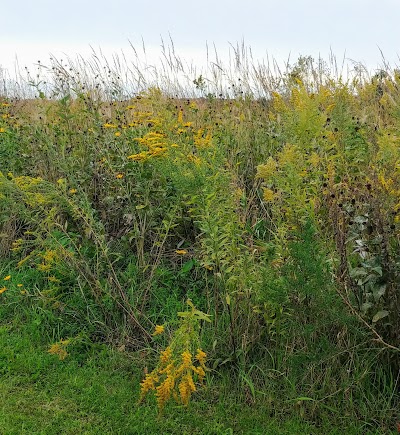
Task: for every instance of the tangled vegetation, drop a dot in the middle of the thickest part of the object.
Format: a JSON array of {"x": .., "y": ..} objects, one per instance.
[{"x": 275, "y": 217}]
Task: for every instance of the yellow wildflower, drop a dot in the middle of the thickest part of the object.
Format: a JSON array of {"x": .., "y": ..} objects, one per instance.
[
  {"x": 164, "y": 391},
  {"x": 157, "y": 151},
  {"x": 194, "y": 159},
  {"x": 159, "y": 329},
  {"x": 7, "y": 278},
  {"x": 201, "y": 357},
  {"x": 117, "y": 133},
  {"x": 201, "y": 140},
  {"x": 107, "y": 125},
  {"x": 186, "y": 388},
  {"x": 181, "y": 251},
  {"x": 166, "y": 355},
  {"x": 2, "y": 130},
  {"x": 289, "y": 155},
  {"x": 314, "y": 159},
  {"x": 49, "y": 256},
  {"x": 148, "y": 384},
  {"x": 119, "y": 176},
  {"x": 187, "y": 359},
  {"x": 72, "y": 191},
  {"x": 180, "y": 116},
  {"x": 20, "y": 285},
  {"x": 267, "y": 170},
  {"x": 2, "y": 290},
  {"x": 138, "y": 157},
  {"x": 59, "y": 349},
  {"x": 43, "y": 267},
  {"x": 200, "y": 372},
  {"x": 268, "y": 195}
]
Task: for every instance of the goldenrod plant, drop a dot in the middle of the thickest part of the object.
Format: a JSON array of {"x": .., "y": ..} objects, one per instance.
[{"x": 181, "y": 365}]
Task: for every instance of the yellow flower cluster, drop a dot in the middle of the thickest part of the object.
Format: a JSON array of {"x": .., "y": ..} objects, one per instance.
[
  {"x": 298, "y": 97},
  {"x": 154, "y": 142},
  {"x": 201, "y": 357},
  {"x": 186, "y": 388},
  {"x": 314, "y": 159},
  {"x": 138, "y": 157},
  {"x": 140, "y": 117},
  {"x": 194, "y": 159},
  {"x": 267, "y": 170},
  {"x": 386, "y": 183},
  {"x": 268, "y": 195},
  {"x": 26, "y": 183},
  {"x": 32, "y": 188},
  {"x": 48, "y": 258},
  {"x": 148, "y": 384},
  {"x": 202, "y": 139},
  {"x": 289, "y": 155},
  {"x": 174, "y": 376},
  {"x": 59, "y": 349},
  {"x": 166, "y": 355},
  {"x": 279, "y": 104},
  {"x": 159, "y": 329}
]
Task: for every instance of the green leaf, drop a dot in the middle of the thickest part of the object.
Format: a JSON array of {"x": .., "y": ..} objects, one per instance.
[
  {"x": 365, "y": 307},
  {"x": 202, "y": 316},
  {"x": 357, "y": 272},
  {"x": 379, "y": 292},
  {"x": 187, "y": 267},
  {"x": 380, "y": 315},
  {"x": 301, "y": 399}
]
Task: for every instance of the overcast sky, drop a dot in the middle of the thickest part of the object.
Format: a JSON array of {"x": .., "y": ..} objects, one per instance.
[{"x": 357, "y": 29}]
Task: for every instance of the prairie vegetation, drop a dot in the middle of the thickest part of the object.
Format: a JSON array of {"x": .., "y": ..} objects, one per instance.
[{"x": 231, "y": 238}]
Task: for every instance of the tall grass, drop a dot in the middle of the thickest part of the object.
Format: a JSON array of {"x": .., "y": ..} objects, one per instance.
[{"x": 267, "y": 197}]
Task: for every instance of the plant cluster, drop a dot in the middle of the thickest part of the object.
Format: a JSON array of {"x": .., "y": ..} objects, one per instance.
[{"x": 278, "y": 216}]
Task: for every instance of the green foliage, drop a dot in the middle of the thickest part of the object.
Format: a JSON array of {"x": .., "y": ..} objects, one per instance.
[{"x": 278, "y": 217}]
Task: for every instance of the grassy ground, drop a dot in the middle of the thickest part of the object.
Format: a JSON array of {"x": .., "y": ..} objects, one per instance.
[{"x": 40, "y": 394}]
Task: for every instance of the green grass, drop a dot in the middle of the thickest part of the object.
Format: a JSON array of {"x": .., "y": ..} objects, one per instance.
[{"x": 40, "y": 394}]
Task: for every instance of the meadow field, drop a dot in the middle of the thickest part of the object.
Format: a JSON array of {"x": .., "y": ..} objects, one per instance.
[{"x": 220, "y": 256}]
